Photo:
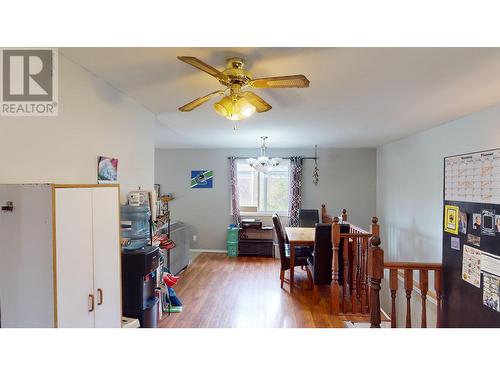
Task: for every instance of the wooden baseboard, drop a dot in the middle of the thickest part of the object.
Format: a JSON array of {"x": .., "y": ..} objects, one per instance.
[{"x": 208, "y": 251}]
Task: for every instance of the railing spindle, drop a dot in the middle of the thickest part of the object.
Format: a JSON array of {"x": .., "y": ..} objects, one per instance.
[
  {"x": 393, "y": 281},
  {"x": 358, "y": 269},
  {"x": 424, "y": 288},
  {"x": 345, "y": 278},
  {"x": 334, "y": 289},
  {"x": 364, "y": 249},
  {"x": 409, "y": 289},
  {"x": 354, "y": 275}
]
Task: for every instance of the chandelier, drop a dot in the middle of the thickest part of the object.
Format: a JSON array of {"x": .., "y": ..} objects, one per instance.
[{"x": 263, "y": 163}]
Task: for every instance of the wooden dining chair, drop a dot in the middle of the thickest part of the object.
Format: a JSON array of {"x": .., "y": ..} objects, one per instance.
[
  {"x": 301, "y": 253},
  {"x": 321, "y": 261}
]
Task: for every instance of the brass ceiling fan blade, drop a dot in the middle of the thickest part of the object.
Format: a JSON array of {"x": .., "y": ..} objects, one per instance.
[
  {"x": 260, "y": 104},
  {"x": 197, "y": 63},
  {"x": 280, "y": 82},
  {"x": 197, "y": 102}
]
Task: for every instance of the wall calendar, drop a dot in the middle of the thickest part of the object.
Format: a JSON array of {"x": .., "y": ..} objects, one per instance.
[{"x": 473, "y": 177}]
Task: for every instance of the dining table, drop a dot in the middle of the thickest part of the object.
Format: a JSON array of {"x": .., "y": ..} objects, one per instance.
[{"x": 298, "y": 236}]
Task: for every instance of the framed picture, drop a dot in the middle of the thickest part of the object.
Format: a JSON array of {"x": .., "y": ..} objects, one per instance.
[
  {"x": 202, "y": 179},
  {"x": 462, "y": 222},
  {"x": 488, "y": 222},
  {"x": 451, "y": 219},
  {"x": 107, "y": 170},
  {"x": 476, "y": 222}
]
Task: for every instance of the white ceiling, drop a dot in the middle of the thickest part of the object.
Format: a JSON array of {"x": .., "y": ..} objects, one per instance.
[{"x": 359, "y": 97}]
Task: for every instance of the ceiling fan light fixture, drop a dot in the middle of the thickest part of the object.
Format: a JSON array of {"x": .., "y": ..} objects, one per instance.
[
  {"x": 234, "y": 109},
  {"x": 224, "y": 107},
  {"x": 245, "y": 108}
]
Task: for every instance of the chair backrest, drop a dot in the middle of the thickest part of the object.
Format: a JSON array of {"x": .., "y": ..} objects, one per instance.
[
  {"x": 322, "y": 267},
  {"x": 308, "y": 218},
  {"x": 323, "y": 253},
  {"x": 280, "y": 235}
]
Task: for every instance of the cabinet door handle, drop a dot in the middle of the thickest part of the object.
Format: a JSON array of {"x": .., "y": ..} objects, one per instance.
[
  {"x": 91, "y": 299},
  {"x": 100, "y": 299}
]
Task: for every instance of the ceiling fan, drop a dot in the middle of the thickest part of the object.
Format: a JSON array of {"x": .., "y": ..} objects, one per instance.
[{"x": 238, "y": 104}]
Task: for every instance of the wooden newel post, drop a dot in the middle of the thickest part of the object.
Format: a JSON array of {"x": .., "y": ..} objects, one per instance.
[
  {"x": 335, "y": 288},
  {"x": 323, "y": 213},
  {"x": 438, "y": 287},
  {"x": 344, "y": 214},
  {"x": 375, "y": 227},
  {"x": 325, "y": 218},
  {"x": 375, "y": 276}
]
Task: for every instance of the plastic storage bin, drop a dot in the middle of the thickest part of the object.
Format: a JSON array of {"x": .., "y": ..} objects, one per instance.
[
  {"x": 232, "y": 234},
  {"x": 232, "y": 249},
  {"x": 232, "y": 240}
]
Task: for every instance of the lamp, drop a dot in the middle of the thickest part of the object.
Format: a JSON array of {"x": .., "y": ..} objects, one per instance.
[
  {"x": 263, "y": 163},
  {"x": 234, "y": 108}
]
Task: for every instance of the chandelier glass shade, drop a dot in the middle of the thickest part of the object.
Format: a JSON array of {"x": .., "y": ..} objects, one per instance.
[
  {"x": 263, "y": 163},
  {"x": 234, "y": 108}
]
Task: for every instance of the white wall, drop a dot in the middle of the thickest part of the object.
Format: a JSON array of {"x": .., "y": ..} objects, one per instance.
[
  {"x": 26, "y": 278},
  {"x": 94, "y": 119},
  {"x": 410, "y": 183},
  {"x": 347, "y": 180}
]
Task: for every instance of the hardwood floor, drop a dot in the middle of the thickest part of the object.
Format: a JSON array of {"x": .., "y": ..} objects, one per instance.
[{"x": 222, "y": 292}]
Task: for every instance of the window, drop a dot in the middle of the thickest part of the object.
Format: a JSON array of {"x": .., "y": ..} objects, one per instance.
[{"x": 261, "y": 192}]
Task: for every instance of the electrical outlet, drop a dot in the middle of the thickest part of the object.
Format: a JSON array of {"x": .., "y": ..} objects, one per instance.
[{"x": 195, "y": 238}]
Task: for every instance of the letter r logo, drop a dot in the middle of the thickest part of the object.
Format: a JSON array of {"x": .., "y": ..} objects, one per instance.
[{"x": 27, "y": 75}]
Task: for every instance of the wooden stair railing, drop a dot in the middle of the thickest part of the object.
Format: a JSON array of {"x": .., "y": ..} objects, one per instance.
[
  {"x": 354, "y": 294},
  {"x": 408, "y": 268},
  {"x": 363, "y": 271}
]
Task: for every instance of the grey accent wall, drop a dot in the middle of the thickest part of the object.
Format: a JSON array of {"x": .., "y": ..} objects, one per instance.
[{"x": 347, "y": 180}]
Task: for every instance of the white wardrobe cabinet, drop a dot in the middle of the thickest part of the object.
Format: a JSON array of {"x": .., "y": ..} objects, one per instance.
[{"x": 71, "y": 255}]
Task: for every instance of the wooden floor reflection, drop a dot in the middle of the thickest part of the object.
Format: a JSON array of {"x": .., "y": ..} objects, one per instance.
[{"x": 244, "y": 292}]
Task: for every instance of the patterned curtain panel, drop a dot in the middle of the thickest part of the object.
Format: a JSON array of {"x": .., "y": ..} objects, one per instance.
[
  {"x": 295, "y": 195},
  {"x": 235, "y": 195}
]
